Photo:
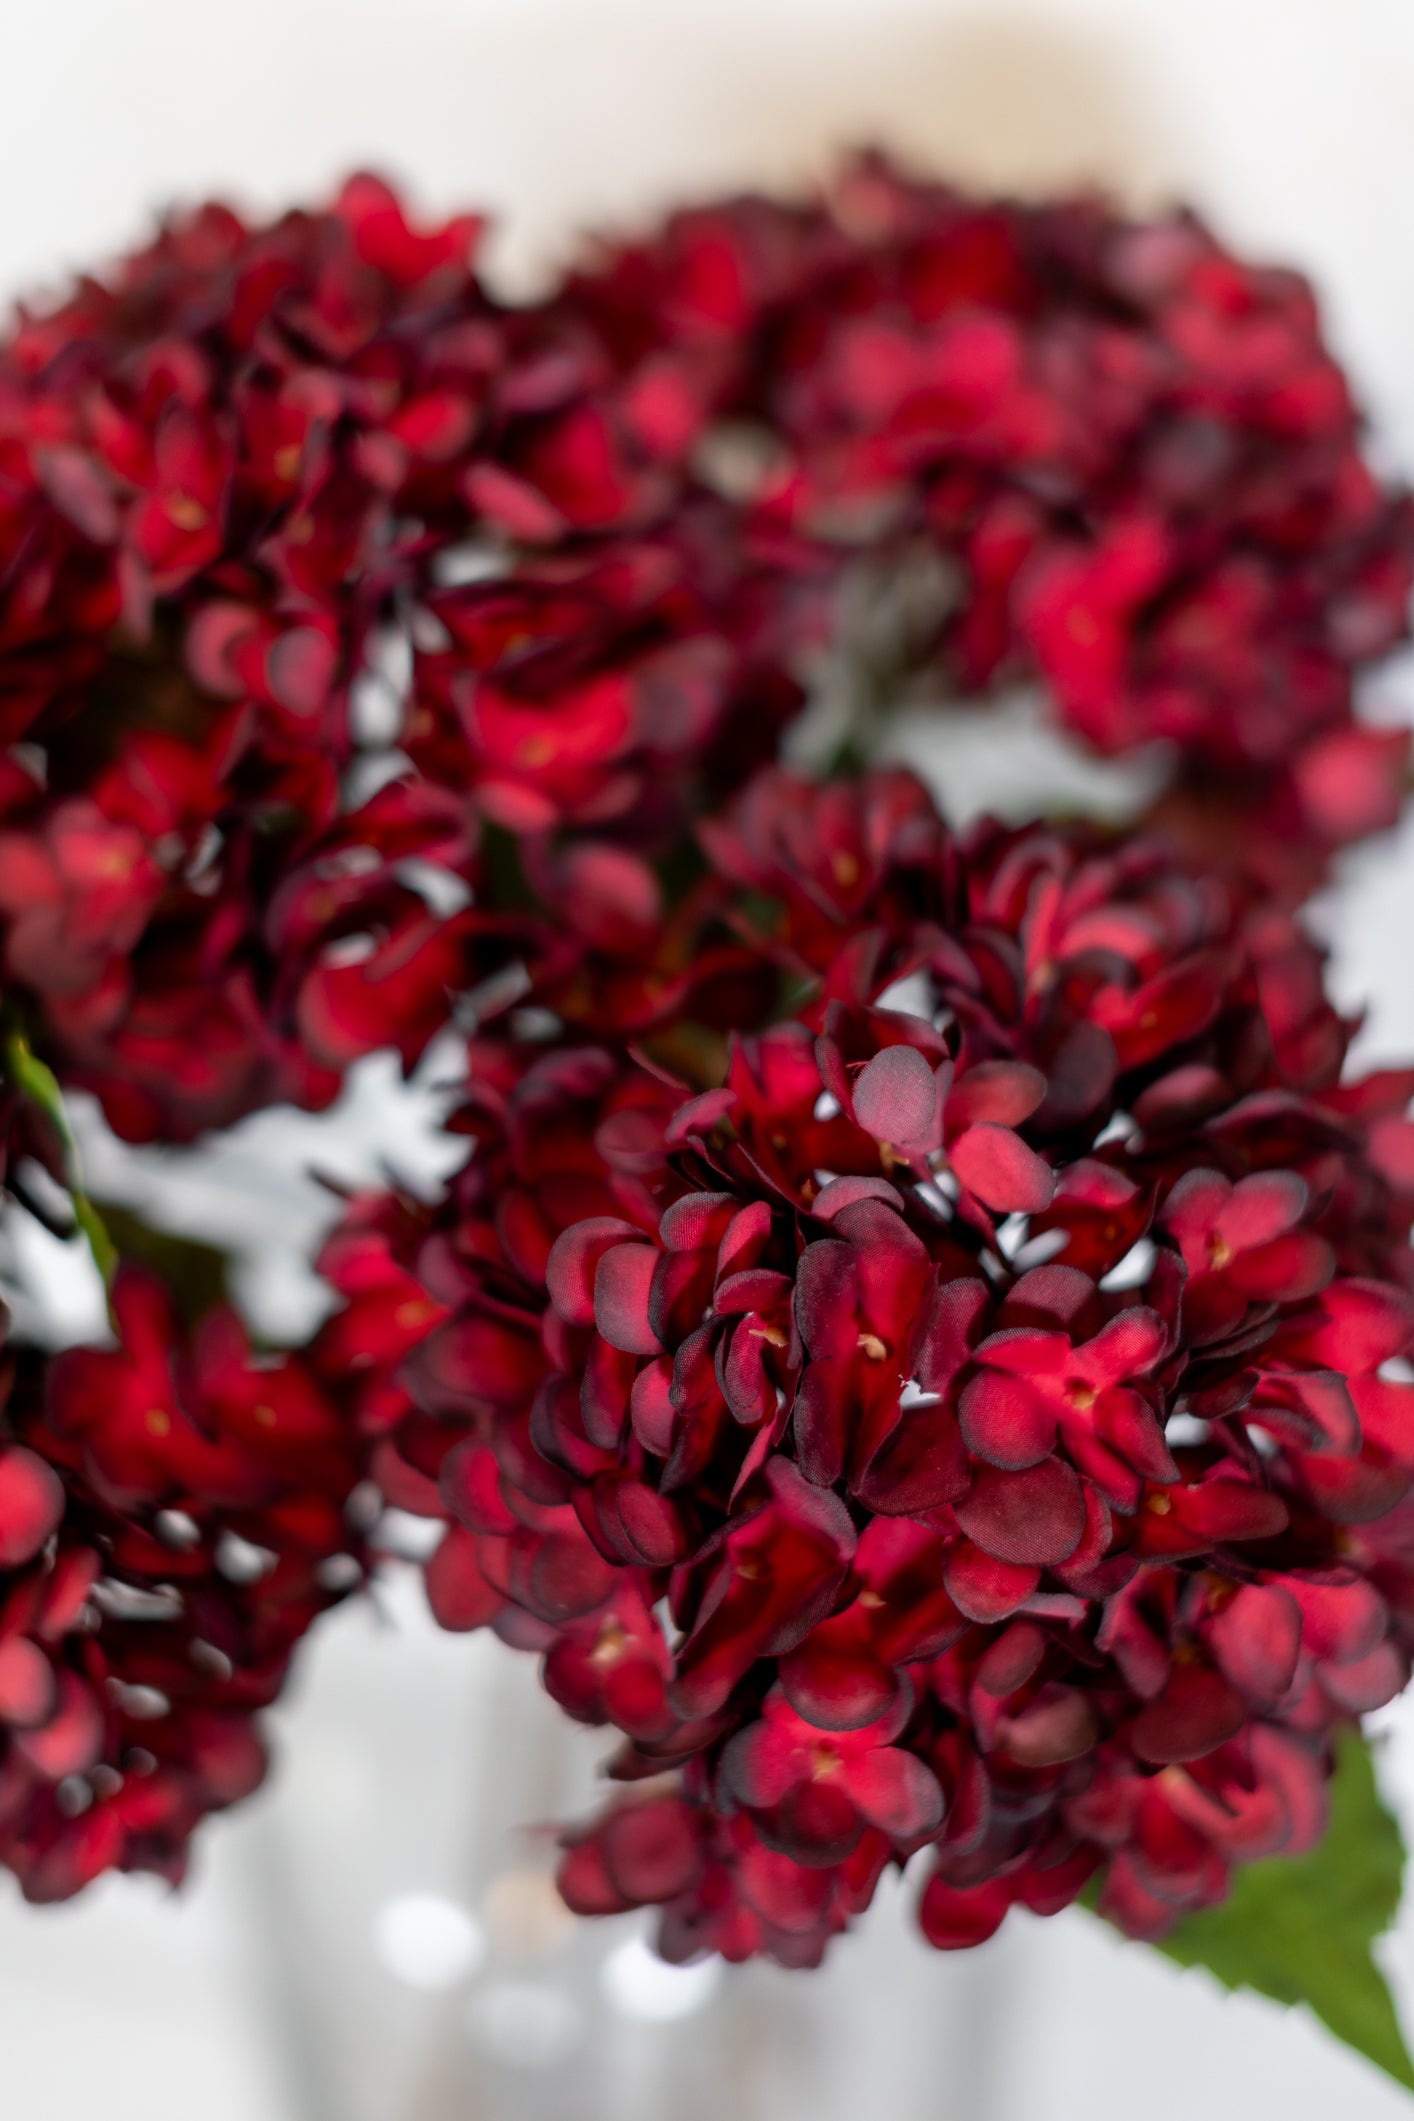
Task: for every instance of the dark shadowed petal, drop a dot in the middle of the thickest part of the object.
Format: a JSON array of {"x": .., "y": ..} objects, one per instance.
[
  {"x": 1030, "y": 1518},
  {"x": 984, "y": 1588},
  {"x": 623, "y": 1283},
  {"x": 574, "y": 1259},
  {"x": 1196, "y": 1711}
]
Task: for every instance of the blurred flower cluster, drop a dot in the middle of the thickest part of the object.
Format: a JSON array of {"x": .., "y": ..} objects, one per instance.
[{"x": 918, "y": 1343}]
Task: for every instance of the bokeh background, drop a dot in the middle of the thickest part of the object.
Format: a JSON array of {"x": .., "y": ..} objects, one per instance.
[{"x": 373, "y": 1938}]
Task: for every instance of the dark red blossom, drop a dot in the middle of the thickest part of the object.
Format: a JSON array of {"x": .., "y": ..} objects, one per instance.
[
  {"x": 283, "y": 501},
  {"x": 1134, "y": 449},
  {"x": 918, "y": 1343},
  {"x": 1242, "y": 1244},
  {"x": 172, "y": 1521},
  {"x": 807, "y": 1432},
  {"x": 817, "y": 1792}
]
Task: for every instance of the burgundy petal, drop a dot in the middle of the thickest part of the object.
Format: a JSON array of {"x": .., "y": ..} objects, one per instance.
[
  {"x": 896, "y": 1097},
  {"x": 574, "y": 1260},
  {"x": 895, "y": 1791},
  {"x": 1260, "y": 1208},
  {"x": 1005, "y": 1421},
  {"x": 458, "y": 1593},
  {"x": 623, "y": 1283},
  {"x": 1031, "y": 1518},
  {"x": 984, "y": 1588},
  {"x": 955, "y": 1918},
  {"x": 1256, "y": 1638},
  {"x": 1197, "y": 1711},
  {"x": 650, "y": 1850}
]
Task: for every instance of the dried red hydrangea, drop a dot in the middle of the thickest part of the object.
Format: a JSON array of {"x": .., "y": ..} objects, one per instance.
[
  {"x": 292, "y": 508},
  {"x": 967, "y": 1428},
  {"x": 241, "y": 482},
  {"x": 916, "y": 1343}
]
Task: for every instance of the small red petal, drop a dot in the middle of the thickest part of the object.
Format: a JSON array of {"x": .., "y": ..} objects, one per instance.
[
  {"x": 31, "y": 1504},
  {"x": 623, "y": 1282},
  {"x": 458, "y": 1593},
  {"x": 1001, "y": 1170},
  {"x": 896, "y": 1097},
  {"x": 1032, "y": 1518},
  {"x": 955, "y": 1918}
]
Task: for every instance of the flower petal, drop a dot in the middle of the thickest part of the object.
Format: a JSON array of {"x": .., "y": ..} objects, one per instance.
[{"x": 1032, "y": 1518}]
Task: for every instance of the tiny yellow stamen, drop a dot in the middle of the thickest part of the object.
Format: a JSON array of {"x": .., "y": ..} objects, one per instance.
[
  {"x": 610, "y": 1646},
  {"x": 186, "y": 513},
  {"x": 416, "y": 1312}
]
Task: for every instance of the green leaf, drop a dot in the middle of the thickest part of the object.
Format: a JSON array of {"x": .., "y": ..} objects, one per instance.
[
  {"x": 195, "y": 1273},
  {"x": 1300, "y": 1929},
  {"x": 36, "y": 1081}
]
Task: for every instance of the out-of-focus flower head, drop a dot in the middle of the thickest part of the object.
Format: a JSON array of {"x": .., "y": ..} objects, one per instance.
[
  {"x": 242, "y": 479},
  {"x": 174, "y": 1514},
  {"x": 1134, "y": 450}
]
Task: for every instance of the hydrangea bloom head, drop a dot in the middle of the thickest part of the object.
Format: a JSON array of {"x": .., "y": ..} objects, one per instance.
[{"x": 969, "y": 1426}]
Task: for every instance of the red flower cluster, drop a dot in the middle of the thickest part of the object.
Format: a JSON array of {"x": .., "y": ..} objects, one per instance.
[
  {"x": 915, "y": 1346},
  {"x": 174, "y": 1514},
  {"x": 1136, "y": 448},
  {"x": 290, "y": 509},
  {"x": 994, "y": 1389},
  {"x": 235, "y": 484}
]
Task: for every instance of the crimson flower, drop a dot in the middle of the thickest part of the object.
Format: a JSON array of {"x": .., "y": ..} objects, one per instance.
[
  {"x": 969, "y": 1425},
  {"x": 918, "y": 1345},
  {"x": 172, "y": 1521}
]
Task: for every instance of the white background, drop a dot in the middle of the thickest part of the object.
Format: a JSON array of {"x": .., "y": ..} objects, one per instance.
[{"x": 270, "y": 1992}]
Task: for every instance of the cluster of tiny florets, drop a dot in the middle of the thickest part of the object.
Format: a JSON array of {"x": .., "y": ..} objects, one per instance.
[
  {"x": 966, "y": 1428},
  {"x": 916, "y": 1345}
]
